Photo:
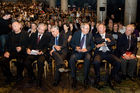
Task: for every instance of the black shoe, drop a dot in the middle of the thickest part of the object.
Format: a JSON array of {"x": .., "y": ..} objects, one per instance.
[
  {"x": 131, "y": 78},
  {"x": 98, "y": 86},
  {"x": 74, "y": 81},
  {"x": 117, "y": 79},
  {"x": 55, "y": 83},
  {"x": 19, "y": 79},
  {"x": 7, "y": 82},
  {"x": 124, "y": 77}
]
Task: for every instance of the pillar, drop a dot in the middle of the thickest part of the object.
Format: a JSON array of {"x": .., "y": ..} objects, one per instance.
[
  {"x": 64, "y": 5},
  {"x": 130, "y": 11},
  {"x": 101, "y": 10},
  {"x": 52, "y": 3}
]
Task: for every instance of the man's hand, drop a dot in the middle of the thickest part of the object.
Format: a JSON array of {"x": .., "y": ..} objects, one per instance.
[
  {"x": 127, "y": 57},
  {"x": 28, "y": 51},
  {"x": 132, "y": 56},
  {"x": 100, "y": 45},
  {"x": 108, "y": 39},
  {"x": 18, "y": 49},
  {"x": 40, "y": 53},
  {"x": 51, "y": 52},
  {"x": 7, "y": 54},
  {"x": 58, "y": 48},
  {"x": 84, "y": 50},
  {"x": 78, "y": 49}
]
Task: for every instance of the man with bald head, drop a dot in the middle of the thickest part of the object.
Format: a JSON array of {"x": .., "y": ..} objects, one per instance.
[
  {"x": 104, "y": 43},
  {"x": 15, "y": 48}
]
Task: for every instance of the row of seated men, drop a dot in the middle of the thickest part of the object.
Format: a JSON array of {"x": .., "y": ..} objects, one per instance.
[{"x": 39, "y": 46}]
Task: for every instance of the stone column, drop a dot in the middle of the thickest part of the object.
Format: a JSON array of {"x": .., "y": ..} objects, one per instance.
[
  {"x": 64, "y": 5},
  {"x": 101, "y": 10},
  {"x": 130, "y": 11},
  {"x": 52, "y": 3}
]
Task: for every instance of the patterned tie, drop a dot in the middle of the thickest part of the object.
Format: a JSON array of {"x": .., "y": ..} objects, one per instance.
[
  {"x": 82, "y": 41},
  {"x": 129, "y": 42},
  {"x": 38, "y": 39},
  {"x": 56, "y": 40}
]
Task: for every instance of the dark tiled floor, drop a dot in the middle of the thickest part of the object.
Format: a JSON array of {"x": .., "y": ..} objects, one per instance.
[{"x": 126, "y": 86}]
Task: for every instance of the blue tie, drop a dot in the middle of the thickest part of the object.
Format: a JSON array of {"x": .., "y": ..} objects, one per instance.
[
  {"x": 56, "y": 40},
  {"x": 82, "y": 41}
]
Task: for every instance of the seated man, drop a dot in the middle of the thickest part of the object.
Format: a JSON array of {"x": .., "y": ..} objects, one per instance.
[
  {"x": 15, "y": 48},
  {"x": 36, "y": 49},
  {"x": 82, "y": 44},
  {"x": 58, "y": 45},
  {"x": 104, "y": 43},
  {"x": 127, "y": 48}
]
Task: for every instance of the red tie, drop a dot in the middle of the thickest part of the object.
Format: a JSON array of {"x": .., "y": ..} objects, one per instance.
[{"x": 38, "y": 39}]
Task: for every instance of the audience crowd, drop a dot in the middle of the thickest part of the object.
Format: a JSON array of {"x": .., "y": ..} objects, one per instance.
[{"x": 30, "y": 32}]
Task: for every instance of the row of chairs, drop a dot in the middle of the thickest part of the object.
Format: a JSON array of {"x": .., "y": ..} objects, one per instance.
[{"x": 46, "y": 65}]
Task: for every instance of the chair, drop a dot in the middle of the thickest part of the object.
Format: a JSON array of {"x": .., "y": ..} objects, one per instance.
[
  {"x": 106, "y": 63},
  {"x": 53, "y": 65},
  {"x": 138, "y": 63},
  {"x": 46, "y": 67},
  {"x": 12, "y": 66}
]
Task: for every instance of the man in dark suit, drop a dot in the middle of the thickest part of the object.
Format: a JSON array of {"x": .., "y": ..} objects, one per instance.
[
  {"x": 127, "y": 48},
  {"x": 15, "y": 48},
  {"x": 58, "y": 46},
  {"x": 82, "y": 44},
  {"x": 4, "y": 30},
  {"x": 36, "y": 49},
  {"x": 104, "y": 43}
]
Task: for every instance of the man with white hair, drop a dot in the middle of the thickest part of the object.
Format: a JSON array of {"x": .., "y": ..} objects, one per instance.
[
  {"x": 82, "y": 45},
  {"x": 37, "y": 47},
  {"x": 58, "y": 47},
  {"x": 15, "y": 48},
  {"x": 127, "y": 48},
  {"x": 103, "y": 51}
]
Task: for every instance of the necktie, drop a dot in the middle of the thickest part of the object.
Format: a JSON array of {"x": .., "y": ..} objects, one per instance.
[
  {"x": 82, "y": 41},
  {"x": 38, "y": 39},
  {"x": 56, "y": 40},
  {"x": 129, "y": 42},
  {"x": 104, "y": 49}
]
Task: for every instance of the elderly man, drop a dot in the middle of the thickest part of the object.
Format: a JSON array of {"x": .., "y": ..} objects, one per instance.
[
  {"x": 36, "y": 49},
  {"x": 127, "y": 48},
  {"x": 82, "y": 44},
  {"x": 15, "y": 48},
  {"x": 58, "y": 45},
  {"x": 104, "y": 43}
]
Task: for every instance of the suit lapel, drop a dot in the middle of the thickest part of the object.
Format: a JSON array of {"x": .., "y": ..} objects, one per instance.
[
  {"x": 87, "y": 39},
  {"x": 79, "y": 38}
]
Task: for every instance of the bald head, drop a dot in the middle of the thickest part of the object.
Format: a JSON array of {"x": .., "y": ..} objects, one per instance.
[{"x": 16, "y": 26}]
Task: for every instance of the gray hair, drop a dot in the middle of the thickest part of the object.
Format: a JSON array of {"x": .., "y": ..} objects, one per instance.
[{"x": 56, "y": 27}]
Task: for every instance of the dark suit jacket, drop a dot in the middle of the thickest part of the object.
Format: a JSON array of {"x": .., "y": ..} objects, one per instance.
[
  {"x": 43, "y": 43},
  {"x": 123, "y": 45},
  {"x": 62, "y": 41},
  {"x": 13, "y": 42},
  {"x": 75, "y": 41},
  {"x": 99, "y": 40}
]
